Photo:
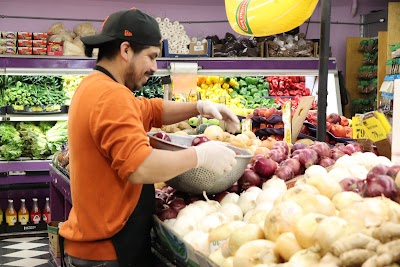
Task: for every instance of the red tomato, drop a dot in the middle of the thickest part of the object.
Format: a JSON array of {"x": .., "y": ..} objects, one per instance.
[
  {"x": 349, "y": 131},
  {"x": 338, "y": 130},
  {"x": 278, "y": 125},
  {"x": 344, "y": 121}
]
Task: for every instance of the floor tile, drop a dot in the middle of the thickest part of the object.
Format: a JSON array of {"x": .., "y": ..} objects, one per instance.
[
  {"x": 27, "y": 262},
  {"x": 25, "y": 254},
  {"x": 23, "y": 239},
  {"x": 25, "y": 246}
]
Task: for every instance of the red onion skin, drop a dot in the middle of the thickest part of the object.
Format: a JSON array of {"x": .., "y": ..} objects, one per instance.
[
  {"x": 379, "y": 169},
  {"x": 162, "y": 136},
  {"x": 285, "y": 173},
  {"x": 159, "y": 205},
  {"x": 306, "y": 156},
  {"x": 336, "y": 153},
  {"x": 281, "y": 144},
  {"x": 256, "y": 157},
  {"x": 249, "y": 178},
  {"x": 265, "y": 167},
  {"x": 321, "y": 148},
  {"x": 381, "y": 185},
  {"x": 177, "y": 204},
  {"x": 326, "y": 162},
  {"x": 277, "y": 155},
  {"x": 358, "y": 147},
  {"x": 294, "y": 164},
  {"x": 393, "y": 170},
  {"x": 353, "y": 184},
  {"x": 298, "y": 146},
  {"x": 166, "y": 214},
  {"x": 163, "y": 195},
  {"x": 198, "y": 140},
  {"x": 235, "y": 188},
  {"x": 349, "y": 149}
]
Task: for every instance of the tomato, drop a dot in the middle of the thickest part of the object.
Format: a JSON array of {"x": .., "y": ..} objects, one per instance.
[
  {"x": 349, "y": 131},
  {"x": 338, "y": 130},
  {"x": 278, "y": 125},
  {"x": 268, "y": 113},
  {"x": 344, "y": 121},
  {"x": 328, "y": 126}
]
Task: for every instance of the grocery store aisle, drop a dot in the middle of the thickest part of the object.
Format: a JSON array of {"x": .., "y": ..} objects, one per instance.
[{"x": 25, "y": 252}]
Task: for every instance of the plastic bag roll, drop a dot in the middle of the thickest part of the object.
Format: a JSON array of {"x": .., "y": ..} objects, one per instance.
[
  {"x": 166, "y": 20},
  {"x": 176, "y": 23},
  {"x": 169, "y": 24},
  {"x": 158, "y": 19},
  {"x": 161, "y": 24},
  {"x": 180, "y": 27},
  {"x": 184, "y": 76}
]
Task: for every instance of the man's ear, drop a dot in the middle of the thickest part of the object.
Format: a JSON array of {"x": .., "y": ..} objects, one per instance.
[{"x": 124, "y": 50}]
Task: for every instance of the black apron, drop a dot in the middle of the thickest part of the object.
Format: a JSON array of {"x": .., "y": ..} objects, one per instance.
[{"x": 132, "y": 243}]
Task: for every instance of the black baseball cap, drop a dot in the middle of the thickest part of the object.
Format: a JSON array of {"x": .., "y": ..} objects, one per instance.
[{"x": 130, "y": 25}]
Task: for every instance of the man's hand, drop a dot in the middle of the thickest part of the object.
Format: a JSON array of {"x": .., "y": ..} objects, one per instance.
[{"x": 220, "y": 112}]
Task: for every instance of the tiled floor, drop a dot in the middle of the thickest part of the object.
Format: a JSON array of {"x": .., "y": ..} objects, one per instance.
[{"x": 25, "y": 252}]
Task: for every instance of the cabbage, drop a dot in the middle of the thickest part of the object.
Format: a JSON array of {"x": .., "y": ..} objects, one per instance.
[
  {"x": 57, "y": 136},
  {"x": 35, "y": 142},
  {"x": 10, "y": 142}
]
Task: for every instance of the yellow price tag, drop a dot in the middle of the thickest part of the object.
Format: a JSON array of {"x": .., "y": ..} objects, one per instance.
[
  {"x": 358, "y": 130},
  {"x": 287, "y": 122},
  {"x": 374, "y": 129}
]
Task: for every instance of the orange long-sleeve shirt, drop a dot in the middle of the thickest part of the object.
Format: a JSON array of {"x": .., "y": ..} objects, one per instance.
[{"x": 107, "y": 141}]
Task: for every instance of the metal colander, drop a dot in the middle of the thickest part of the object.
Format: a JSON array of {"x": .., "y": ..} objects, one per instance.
[{"x": 197, "y": 180}]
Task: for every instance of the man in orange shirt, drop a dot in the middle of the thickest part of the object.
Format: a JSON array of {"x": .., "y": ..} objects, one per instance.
[{"x": 112, "y": 165}]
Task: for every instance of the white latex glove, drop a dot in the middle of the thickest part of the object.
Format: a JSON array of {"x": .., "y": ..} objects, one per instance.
[
  {"x": 220, "y": 112},
  {"x": 215, "y": 156}
]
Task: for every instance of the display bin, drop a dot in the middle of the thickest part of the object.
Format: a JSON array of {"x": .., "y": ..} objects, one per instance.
[
  {"x": 179, "y": 252},
  {"x": 166, "y": 52}
]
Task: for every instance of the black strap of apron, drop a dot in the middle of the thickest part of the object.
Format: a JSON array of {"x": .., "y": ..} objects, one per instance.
[{"x": 103, "y": 70}]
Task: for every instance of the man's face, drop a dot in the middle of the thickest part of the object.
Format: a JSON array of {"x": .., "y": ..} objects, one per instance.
[{"x": 141, "y": 66}]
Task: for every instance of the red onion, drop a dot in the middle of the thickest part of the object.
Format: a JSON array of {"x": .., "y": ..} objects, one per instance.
[
  {"x": 198, "y": 140},
  {"x": 349, "y": 149},
  {"x": 166, "y": 214},
  {"x": 381, "y": 185},
  {"x": 336, "y": 153},
  {"x": 277, "y": 155},
  {"x": 333, "y": 118},
  {"x": 218, "y": 197},
  {"x": 256, "y": 157},
  {"x": 162, "y": 195},
  {"x": 281, "y": 144},
  {"x": 379, "y": 169},
  {"x": 235, "y": 188},
  {"x": 326, "y": 162},
  {"x": 294, "y": 164},
  {"x": 321, "y": 148},
  {"x": 285, "y": 173},
  {"x": 177, "y": 204},
  {"x": 162, "y": 136},
  {"x": 353, "y": 184},
  {"x": 192, "y": 199},
  {"x": 168, "y": 189},
  {"x": 265, "y": 167},
  {"x": 249, "y": 178},
  {"x": 159, "y": 205},
  {"x": 298, "y": 146},
  {"x": 393, "y": 170},
  {"x": 306, "y": 156},
  {"x": 358, "y": 147}
]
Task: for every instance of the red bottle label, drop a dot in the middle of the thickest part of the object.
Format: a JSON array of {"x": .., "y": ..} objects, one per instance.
[
  {"x": 35, "y": 218},
  {"x": 46, "y": 217}
]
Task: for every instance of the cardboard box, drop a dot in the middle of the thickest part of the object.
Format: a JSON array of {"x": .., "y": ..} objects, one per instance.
[
  {"x": 24, "y": 35},
  {"x": 200, "y": 52},
  {"x": 8, "y": 50},
  {"x": 39, "y": 35},
  {"x": 54, "y": 49},
  {"x": 9, "y": 35},
  {"x": 39, "y": 43},
  {"x": 54, "y": 245},
  {"x": 39, "y": 51},
  {"x": 24, "y": 43},
  {"x": 198, "y": 48},
  {"x": 8, "y": 42},
  {"x": 24, "y": 50}
]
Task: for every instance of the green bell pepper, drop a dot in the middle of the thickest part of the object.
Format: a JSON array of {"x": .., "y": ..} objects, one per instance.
[
  {"x": 264, "y": 93},
  {"x": 260, "y": 87},
  {"x": 243, "y": 91},
  {"x": 242, "y": 83},
  {"x": 253, "y": 91}
]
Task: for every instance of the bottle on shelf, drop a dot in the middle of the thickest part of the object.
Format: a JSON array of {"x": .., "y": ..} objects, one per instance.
[
  {"x": 23, "y": 213},
  {"x": 1, "y": 216},
  {"x": 36, "y": 215},
  {"x": 11, "y": 214},
  {"x": 46, "y": 211}
]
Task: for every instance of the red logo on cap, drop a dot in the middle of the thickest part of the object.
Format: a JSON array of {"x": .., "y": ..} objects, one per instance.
[
  {"x": 128, "y": 33},
  {"x": 102, "y": 26},
  {"x": 133, "y": 8}
]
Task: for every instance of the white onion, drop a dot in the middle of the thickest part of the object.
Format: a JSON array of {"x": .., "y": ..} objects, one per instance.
[
  {"x": 211, "y": 221},
  {"x": 305, "y": 227},
  {"x": 243, "y": 235},
  {"x": 325, "y": 184},
  {"x": 276, "y": 184},
  {"x": 287, "y": 245},
  {"x": 346, "y": 162},
  {"x": 232, "y": 211},
  {"x": 254, "y": 189},
  {"x": 344, "y": 199},
  {"x": 170, "y": 222},
  {"x": 305, "y": 258},
  {"x": 282, "y": 218},
  {"x": 192, "y": 210},
  {"x": 358, "y": 171},
  {"x": 339, "y": 173},
  {"x": 367, "y": 159},
  {"x": 328, "y": 231},
  {"x": 217, "y": 257},
  {"x": 208, "y": 206},
  {"x": 268, "y": 195},
  {"x": 230, "y": 198},
  {"x": 255, "y": 252},
  {"x": 223, "y": 231},
  {"x": 315, "y": 170},
  {"x": 266, "y": 206},
  {"x": 184, "y": 225},
  {"x": 247, "y": 201},
  {"x": 383, "y": 160},
  {"x": 199, "y": 241}
]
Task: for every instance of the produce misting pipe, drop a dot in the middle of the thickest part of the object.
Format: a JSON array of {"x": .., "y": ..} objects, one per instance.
[{"x": 323, "y": 69}]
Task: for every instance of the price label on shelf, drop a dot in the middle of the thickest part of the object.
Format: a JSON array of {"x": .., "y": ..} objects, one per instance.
[{"x": 358, "y": 130}]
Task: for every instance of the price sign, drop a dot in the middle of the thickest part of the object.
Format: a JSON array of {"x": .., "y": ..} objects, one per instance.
[
  {"x": 358, "y": 130},
  {"x": 374, "y": 129}
]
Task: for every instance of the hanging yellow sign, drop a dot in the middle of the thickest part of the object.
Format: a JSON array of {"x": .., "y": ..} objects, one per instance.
[
  {"x": 374, "y": 129},
  {"x": 358, "y": 130},
  {"x": 264, "y": 18}
]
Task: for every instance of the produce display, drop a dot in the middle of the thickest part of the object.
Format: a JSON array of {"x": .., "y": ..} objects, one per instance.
[
  {"x": 31, "y": 140},
  {"x": 323, "y": 220}
]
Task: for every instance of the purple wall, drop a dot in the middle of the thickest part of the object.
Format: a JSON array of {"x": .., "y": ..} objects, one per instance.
[{"x": 181, "y": 10}]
